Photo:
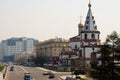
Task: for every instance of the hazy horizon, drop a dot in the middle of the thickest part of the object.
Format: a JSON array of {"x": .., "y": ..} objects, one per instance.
[{"x": 46, "y": 19}]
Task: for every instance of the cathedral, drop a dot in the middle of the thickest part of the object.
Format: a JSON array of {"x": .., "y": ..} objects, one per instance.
[{"x": 87, "y": 41}]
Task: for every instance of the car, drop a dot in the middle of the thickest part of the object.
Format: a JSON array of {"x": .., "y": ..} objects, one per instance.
[
  {"x": 11, "y": 68},
  {"x": 47, "y": 73},
  {"x": 51, "y": 75},
  {"x": 78, "y": 72},
  {"x": 27, "y": 76}
]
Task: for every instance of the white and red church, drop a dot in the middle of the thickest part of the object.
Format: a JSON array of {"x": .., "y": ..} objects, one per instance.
[{"x": 87, "y": 40}]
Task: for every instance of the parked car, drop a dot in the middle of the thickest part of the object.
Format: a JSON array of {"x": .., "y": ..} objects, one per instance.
[
  {"x": 47, "y": 73},
  {"x": 51, "y": 75},
  {"x": 27, "y": 76}
]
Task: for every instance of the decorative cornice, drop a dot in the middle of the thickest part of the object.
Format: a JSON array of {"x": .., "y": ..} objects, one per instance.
[{"x": 90, "y": 32}]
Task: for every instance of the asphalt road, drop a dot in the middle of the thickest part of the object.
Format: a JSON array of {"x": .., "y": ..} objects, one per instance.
[{"x": 36, "y": 72}]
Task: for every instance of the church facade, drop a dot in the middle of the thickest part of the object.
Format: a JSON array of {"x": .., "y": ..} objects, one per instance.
[{"x": 87, "y": 42}]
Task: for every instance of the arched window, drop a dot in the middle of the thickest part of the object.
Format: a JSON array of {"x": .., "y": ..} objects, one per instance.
[
  {"x": 98, "y": 36},
  {"x": 86, "y": 27},
  {"x": 93, "y": 36},
  {"x": 75, "y": 46},
  {"x": 85, "y": 36}
]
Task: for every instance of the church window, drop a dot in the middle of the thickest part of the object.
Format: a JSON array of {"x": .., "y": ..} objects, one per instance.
[
  {"x": 94, "y": 22},
  {"x": 92, "y": 17},
  {"x": 86, "y": 27},
  {"x": 75, "y": 46},
  {"x": 93, "y": 36},
  {"x": 95, "y": 27},
  {"x": 85, "y": 36},
  {"x": 98, "y": 36},
  {"x": 87, "y": 22},
  {"x": 87, "y": 17}
]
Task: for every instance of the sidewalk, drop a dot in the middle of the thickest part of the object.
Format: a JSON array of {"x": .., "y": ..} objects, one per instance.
[
  {"x": 44, "y": 69},
  {"x": 64, "y": 77},
  {"x": 3, "y": 73},
  {"x": 72, "y": 77},
  {"x": 1, "y": 76}
]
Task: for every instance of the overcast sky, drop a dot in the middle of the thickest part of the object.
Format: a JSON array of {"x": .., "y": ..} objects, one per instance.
[{"x": 45, "y": 19}]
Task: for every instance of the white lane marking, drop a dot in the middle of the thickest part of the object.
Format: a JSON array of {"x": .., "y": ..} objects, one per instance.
[
  {"x": 16, "y": 71},
  {"x": 23, "y": 69}
]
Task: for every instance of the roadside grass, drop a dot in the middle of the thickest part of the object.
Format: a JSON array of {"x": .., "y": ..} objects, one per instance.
[{"x": 1, "y": 68}]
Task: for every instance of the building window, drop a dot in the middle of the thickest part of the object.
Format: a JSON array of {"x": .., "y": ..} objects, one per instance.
[
  {"x": 86, "y": 27},
  {"x": 93, "y": 36},
  {"x": 94, "y": 21},
  {"x": 98, "y": 36},
  {"x": 92, "y": 17},
  {"x": 85, "y": 36},
  {"x": 87, "y": 17},
  {"x": 95, "y": 27},
  {"x": 87, "y": 22},
  {"x": 75, "y": 46}
]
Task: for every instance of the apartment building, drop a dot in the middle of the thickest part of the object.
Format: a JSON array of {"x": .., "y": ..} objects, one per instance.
[{"x": 51, "y": 49}]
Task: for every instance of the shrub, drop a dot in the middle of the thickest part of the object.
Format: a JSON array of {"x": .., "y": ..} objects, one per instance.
[{"x": 1, "y": 68}]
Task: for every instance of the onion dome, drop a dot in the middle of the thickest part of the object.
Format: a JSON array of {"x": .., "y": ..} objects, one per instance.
[
  {"x": 89, "y": 5},
  {"x": 80, "y": 25}
]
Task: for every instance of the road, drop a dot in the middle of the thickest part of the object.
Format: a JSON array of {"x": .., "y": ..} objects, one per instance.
[{"x": 36, "y": 72}]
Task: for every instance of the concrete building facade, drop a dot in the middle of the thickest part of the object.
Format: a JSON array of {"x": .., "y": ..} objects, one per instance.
[
  {"x": 51, "y": 49},
  {"x": 12, "y": 46}
]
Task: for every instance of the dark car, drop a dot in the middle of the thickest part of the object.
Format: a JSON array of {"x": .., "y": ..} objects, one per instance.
[
  {"x": 11, "y": 68},
  {"x": 51, "y": 75},
  {"x": 78, "y": 72},
  {"x": 27, "y": 76}
]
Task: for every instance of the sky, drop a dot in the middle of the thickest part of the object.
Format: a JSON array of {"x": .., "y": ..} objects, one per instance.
[{"x": 46, "y": 19}]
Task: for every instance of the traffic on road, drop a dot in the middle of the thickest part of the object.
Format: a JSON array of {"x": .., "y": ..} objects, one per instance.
[{"x": 18, "y": 72}]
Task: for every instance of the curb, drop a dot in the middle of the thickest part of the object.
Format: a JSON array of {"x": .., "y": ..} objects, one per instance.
[{"x": 4, "y": 72}]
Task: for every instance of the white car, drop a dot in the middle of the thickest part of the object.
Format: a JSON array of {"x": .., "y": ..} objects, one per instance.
[{"x": 47, "y": 73}]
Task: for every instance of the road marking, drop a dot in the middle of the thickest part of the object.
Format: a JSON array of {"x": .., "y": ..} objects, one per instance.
[
  {"x": 23, "y": 69},
  {"x": 16, "y": 71}
]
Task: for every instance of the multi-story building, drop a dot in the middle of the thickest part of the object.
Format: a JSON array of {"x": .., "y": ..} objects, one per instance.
[
  {"x": 1, "y": 52},
  {"x": 16, "y": 45},
  {"x": 87, "y": 40},
  {"x": 51, "y": 49},
  {"x": 24, "y": 57}
]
